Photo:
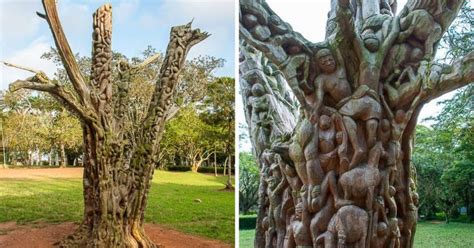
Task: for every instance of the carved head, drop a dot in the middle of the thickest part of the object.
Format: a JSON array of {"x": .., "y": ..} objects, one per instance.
[
  {"x": 298, "y": 211},
  {"x": 416, "y": 55},
  {"x": 258, "y": 90},
  {"x": 385, "y": 126},
  {"x": 326, "y": 61},
  {"x": 400, "y": 116},
  {"x": 340, "y": 137},
  {"x": 371, "y": 42},
  {"x": 391, "y": 191},
  {"x": 325, "y": 122},
  {"x": 382, "y": 229},
  {"x": 315, "y": 191},
  {"x": 416, "y": 199}
]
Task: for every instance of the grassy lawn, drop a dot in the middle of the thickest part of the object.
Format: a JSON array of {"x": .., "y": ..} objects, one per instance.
[
  {"x": 428, "y": 234},
  {"x": 171, "y": 202}
]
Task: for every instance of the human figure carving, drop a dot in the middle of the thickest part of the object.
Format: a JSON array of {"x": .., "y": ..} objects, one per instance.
[
  {"x": 299, "y": 231},
  {"x": 347, "y": 227},
  {"x": 359, "y": 92},
  {"x": 421, "y": 25},
  {"x": 332, "y": 82}
]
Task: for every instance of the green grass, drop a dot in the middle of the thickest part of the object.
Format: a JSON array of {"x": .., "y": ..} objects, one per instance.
[
  {"x": 170, "y": 203},
  {"x": 439, "y": 234},
  {"x": 428, "y": 234},
  {"x": 246, "y": 238}
]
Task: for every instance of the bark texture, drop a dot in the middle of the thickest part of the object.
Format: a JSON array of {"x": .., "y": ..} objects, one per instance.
[
  {"x": 332, "y": 123},
  {"x": 120, "y": 153}
]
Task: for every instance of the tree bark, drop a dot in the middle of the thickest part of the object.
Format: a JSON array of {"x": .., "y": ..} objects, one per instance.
[
  {"x": 63, "y": 156},
  {"x": 337, "y": 171},
  {"x": 118, "y": 162}
]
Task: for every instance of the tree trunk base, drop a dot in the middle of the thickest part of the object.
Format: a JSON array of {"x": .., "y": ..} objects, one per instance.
[{"x": 85, "y": 236}]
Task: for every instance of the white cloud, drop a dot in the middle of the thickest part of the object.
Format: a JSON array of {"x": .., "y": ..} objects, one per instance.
[
  {"x": 18, "y": 20},
  {"x": 30, "y": 57},
  {"x": 75, "y": 17},
  {"x": 124, "y": 10}
]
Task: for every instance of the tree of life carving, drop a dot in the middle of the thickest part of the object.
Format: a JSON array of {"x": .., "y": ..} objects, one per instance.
[
  {"x": 120, "y": 152},
  {"x": 332, "y": 123}
]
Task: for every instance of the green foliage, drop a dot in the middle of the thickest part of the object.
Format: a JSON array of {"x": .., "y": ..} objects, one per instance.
[
  {"x": 34, "y": 124},
  {"x": 171, "y": 202},
  {"x": 249, "y": 182},
  {"x": 444, "y": 153},
  {"x": 202, "y": 129},
  {"x": 247, "y": 222}
]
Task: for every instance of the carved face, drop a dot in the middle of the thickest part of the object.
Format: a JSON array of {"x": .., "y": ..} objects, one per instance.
[
  {"x": 416, "y": 55},
  {"x": 382, "y": 229},
  {"x": 326, "y": 61},
  {"x": 298, "y": 211},
  {"x": 400, "y": 116},
  {"x": 258, "y": 90},
  {"x": 339, "y": 137},
  {"x": 371, "y": 42},
  {"x": 385, "y": 125},
  {"x": 325, "y": 122}
]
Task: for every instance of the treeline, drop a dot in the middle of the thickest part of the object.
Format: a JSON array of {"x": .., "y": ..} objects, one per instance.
[
  {"x": 38, "y": 131},
  {"x": 444, "y": 160}
]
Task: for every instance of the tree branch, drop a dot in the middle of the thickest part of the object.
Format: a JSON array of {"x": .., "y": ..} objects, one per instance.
[
  {"x": 55, "y": 90},
  {"x": 101, "y": 76},
  {"x": 21, "y": 67},
  {"x": 65, "y": 52},
  {"x": 262, "y": 28},
  {"x": 461, "y": 73},
  {"x": 181, "y": 40},
  {"x": 146, "y": 62}
]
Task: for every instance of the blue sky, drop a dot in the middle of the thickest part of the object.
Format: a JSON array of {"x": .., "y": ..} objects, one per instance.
[{"x": 136, "y": 24}]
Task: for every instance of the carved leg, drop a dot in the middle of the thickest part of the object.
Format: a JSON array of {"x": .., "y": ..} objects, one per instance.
[
  {"x": 351, "y": 128},
  {"x": 371, "y": 131},
  {"x": 289, "y": 239},
  {"x": 321, "y": 220},
  {"x": 430, "y": 41}
]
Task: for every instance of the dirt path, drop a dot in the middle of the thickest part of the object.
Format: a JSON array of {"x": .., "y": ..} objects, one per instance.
[
  {"x": 43, "y": 235},
  {"x": 39, "y": 173}
]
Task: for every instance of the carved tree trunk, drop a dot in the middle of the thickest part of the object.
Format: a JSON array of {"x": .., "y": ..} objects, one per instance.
[
  {"x": 119, "y": 154},
  {"x": 338, "y": 172}
]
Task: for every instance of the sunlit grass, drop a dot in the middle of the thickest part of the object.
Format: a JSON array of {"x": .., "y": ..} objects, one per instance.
[
  {"x": 428, "y": 235},
  {"x": 171, "y": 202}
]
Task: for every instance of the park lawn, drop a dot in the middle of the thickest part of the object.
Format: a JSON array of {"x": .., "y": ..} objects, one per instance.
[
  {"x": 172, "y": 202},
  {"x": 428, "y": 235}
]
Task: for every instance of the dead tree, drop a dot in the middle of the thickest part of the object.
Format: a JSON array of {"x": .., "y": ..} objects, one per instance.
[
  {"x": 120, "y": 156},
  {"x": 336, "y": 170}
]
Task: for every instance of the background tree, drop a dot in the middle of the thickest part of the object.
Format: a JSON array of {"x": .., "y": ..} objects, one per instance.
[
  {"x": 443, "y": 152},
  {"x": 218, "y": 108},
  {"x": 248, "y": 182}
]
